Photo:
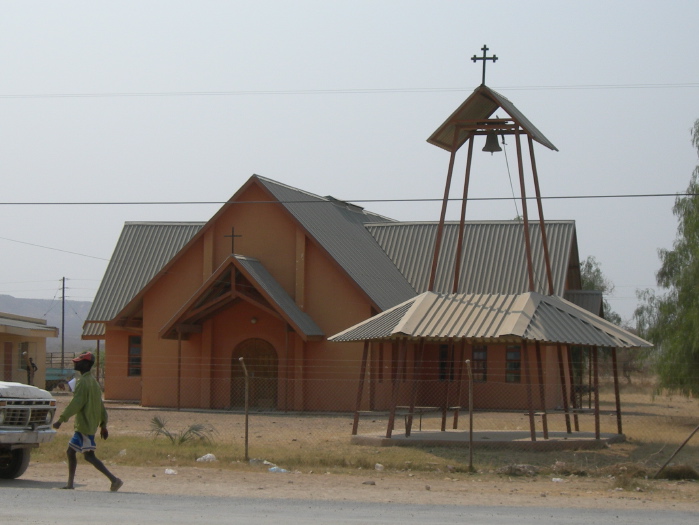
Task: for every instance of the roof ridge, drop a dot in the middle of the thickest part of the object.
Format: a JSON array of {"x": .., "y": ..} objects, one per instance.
[
  {"x": 478, "y": 221},
  {"x": 162, "y": 223},
  {"x": 287, "y": 186}
]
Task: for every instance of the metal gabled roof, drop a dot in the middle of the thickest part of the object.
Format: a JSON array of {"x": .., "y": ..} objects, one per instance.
[
  {"x": 339, "y": 228},
  {"x": 26, "y": 326},
  {"x": 275, "y": 293},
  {"x": 221, "y": 290},
  {"x": 494, "y": 258},
  {"x": 492, "y": 318},
  {"x": 142, "y": 250},
  {"x": 480, "y": 105},
  {"x": 590, "y": 300}
]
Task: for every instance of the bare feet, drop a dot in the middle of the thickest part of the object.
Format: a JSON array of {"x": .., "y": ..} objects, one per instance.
[{"x": 116, "y": 485}]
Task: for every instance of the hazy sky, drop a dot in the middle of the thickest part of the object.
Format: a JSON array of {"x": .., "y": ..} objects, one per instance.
[{"x": 162, "y": 101}]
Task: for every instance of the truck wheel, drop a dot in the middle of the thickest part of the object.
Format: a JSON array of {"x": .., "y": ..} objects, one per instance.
[{"x": 15, "y": 463}]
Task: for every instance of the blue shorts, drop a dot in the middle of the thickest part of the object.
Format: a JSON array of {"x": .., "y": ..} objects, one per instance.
[{"x": 82, "y": 442}]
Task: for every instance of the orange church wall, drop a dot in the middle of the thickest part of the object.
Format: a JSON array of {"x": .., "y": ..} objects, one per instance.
[
  {"x": 335, "y": 303},
  {"x": 159, "y": 359},
  {"x": 118, "y": 384},
  {"x": 266, "y": 232}
]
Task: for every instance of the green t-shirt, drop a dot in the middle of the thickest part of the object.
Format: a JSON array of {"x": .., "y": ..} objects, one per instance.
[{"x": 86, "y": 406}]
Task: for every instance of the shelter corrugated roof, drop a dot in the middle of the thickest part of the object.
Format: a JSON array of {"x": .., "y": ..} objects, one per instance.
[
  {"x": 339, "y": 228},
  {"x": 480, "y": 105},
  {"x": 141, "y": 252},
  {"x": 494, "y": 259},
  {"x": 492, "y": 318}
]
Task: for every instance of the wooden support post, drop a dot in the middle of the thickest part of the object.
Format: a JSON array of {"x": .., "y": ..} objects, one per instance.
[
  {"x": 530, "y": 402},
  {"x": 397, "y": 347},
  {"x": 373, "y": 365},
  {"x": 573, "y": 396},
  {"x": 564, "y": 390},
  {"x": 542, "y": 224},
  {"x": 542, "y": 395},
  {"x": 525, "y": 216},
  {"x": 447, "y": 384},
  {"x": 417, "y": 366},
  {"x": 617, "y": 398},
  {"x": 590, "y": 366},
  {"x": 179, "y": 368},
  {"x": 462, "y": 221},
  {"x": 445, "y": 202},
  {"x": 470, "y": 416},
  {"x": 461, "y": 381},
  {"x": 596, "y": 388},
  {"x": 360, "y": 389}
]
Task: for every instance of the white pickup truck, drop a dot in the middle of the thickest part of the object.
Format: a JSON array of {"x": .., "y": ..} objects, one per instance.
[{"x": 26, "y": 413}]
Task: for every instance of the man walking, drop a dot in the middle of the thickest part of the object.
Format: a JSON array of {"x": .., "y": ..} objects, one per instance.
[{"x": 89, "y": 412}]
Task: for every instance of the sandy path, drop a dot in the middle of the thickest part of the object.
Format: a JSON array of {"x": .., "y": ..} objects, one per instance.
[{"x": 437, "y": 489}]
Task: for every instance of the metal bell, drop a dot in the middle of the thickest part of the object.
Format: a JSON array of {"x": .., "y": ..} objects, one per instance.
[{"x": 491, "y": 143}]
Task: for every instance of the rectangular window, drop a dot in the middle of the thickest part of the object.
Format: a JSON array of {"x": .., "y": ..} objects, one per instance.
[
  {"x": 513, "y": 364},
  {"x": 134, "y": 355},
  {"x": 479, "y": 363}
]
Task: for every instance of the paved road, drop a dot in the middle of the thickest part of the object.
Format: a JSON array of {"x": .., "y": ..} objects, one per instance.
[{"x": 53, "y": 506}]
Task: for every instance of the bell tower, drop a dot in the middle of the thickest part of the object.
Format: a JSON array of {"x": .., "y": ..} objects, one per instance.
[{"x": 472, "y": 119}]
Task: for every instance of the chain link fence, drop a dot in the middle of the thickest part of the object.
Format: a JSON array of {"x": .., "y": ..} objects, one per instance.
[{"x": 655, "y": 423}]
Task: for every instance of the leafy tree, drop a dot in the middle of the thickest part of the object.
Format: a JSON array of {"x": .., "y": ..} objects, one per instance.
[
  {"x": 593, "y": 279},
  {"x": 671, "y": 320}
]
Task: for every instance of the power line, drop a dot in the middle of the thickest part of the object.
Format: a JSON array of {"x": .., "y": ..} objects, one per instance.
[
  {"x": 54, "y": 249},
  {"x": 343, "y": 91},
  {"x": 321, "y": 201}
]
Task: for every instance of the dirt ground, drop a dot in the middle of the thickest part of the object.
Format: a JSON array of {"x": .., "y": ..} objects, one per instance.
[
  {"x": 480, "y": 490},
  {"x": 375, "y": 486}
]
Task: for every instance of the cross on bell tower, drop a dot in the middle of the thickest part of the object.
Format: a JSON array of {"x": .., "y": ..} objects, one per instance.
[
  {"x": 474, "y": 118},
  {"x": 484, "y": 58}
]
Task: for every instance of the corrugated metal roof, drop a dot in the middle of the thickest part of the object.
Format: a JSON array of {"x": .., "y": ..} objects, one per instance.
[
  {"x": 141, "y": 252},
  {"x": 493, "y": 317},
  {"x": 93, "y": 331},
  {"x": 339, "y": 228},
  {"x": 276, "y": 294},
  {"x": 25, "y": 327},
  {"x": 494, "y": 258},
  {"x": 480, "y": 105},
  {"x": 590, "y": 300},
  {"x": 219, "y": 292}
]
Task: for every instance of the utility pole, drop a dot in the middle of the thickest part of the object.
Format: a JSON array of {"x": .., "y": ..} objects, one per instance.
[{"x": 63, "y": 323}]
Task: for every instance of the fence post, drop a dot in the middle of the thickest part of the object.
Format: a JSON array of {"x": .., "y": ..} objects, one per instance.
[{"x": 247, "y": 385}]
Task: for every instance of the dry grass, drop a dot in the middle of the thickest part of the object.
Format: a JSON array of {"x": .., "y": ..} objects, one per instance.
[{"x": 655, "y": 425}]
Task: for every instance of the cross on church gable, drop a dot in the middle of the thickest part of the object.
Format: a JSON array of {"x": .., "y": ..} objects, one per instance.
[{"x": 233, "y": 237}]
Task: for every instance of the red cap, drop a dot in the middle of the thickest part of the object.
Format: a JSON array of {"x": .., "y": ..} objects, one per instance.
[{"x": 85, "y": 356}]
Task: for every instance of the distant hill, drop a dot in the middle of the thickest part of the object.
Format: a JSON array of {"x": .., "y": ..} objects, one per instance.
[{"x": 50, "y": 309}]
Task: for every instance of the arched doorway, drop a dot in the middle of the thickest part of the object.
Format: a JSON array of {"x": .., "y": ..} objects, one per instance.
[{"x": 261, "y": 362}]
